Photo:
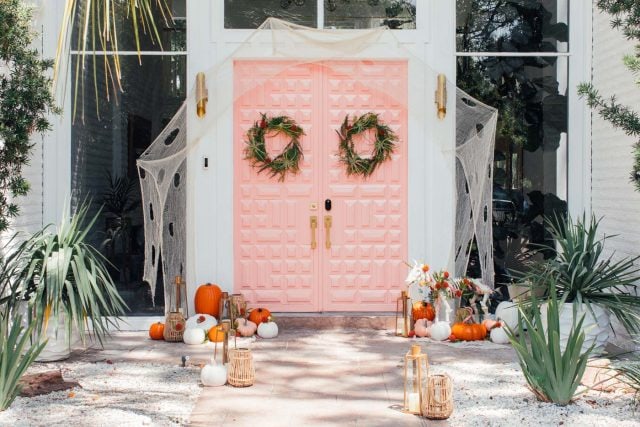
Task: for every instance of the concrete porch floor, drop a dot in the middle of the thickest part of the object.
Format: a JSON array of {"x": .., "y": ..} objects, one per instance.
[{"x": 306, "y": 376}]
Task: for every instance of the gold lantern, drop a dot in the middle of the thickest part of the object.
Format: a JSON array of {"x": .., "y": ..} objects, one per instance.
[
  {"x": 403, "y": 315},
  {"x": 416, "y": 372}
]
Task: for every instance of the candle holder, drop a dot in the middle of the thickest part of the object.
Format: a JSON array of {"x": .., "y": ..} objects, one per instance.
[
  {"x": 438, "y": 404},
  {"x": 416, "y": 372},
  {"x": 403, "y": 315}
]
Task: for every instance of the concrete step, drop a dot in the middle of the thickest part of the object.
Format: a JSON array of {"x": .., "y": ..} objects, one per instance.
[{"x": 337, "y": 320}]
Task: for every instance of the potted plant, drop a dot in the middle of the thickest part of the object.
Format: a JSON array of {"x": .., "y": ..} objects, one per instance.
[
  {"x": 72, "y": 289},
  {"x": 590, "y": 283}
]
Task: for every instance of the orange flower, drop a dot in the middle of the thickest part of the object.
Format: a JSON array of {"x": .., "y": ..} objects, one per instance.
[
  {"x": 446, "y": 274},
  {"x": 458, "y": 293},
  {"x": 425, "y": 268}
]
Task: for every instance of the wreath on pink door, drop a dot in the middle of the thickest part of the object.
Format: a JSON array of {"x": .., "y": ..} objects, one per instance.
[
  {"x": 288, "y": 161},
  {"x": 383, "y": 146}
]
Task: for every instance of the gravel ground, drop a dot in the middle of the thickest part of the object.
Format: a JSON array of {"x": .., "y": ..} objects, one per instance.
[
  {"x": 487, "y": 394},
  {"x": 111, "y": 394}
]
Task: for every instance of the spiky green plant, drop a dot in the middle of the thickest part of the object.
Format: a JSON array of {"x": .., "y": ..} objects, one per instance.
[
  {"x": 630, "y": 374},
  {"x": 583, "y": 273},
  {"x": 552, "y": 374},
  {"x": 72, "y": 280},
  {"x": 16, "y": 355}
]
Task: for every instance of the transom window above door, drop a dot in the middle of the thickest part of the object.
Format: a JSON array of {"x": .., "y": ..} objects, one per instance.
[{"x": 338, "y": 14}]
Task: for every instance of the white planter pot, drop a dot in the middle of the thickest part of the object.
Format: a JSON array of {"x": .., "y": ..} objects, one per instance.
[
  {"x": 58, "y": 345},
  {"x": 596, "y": 328}
]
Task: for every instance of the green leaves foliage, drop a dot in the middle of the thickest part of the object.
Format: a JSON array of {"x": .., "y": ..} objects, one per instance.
[
  {"x": 582, "y": 272},
  {"x": 552, "y": 375},
  {"x": 25, "y": 100}
]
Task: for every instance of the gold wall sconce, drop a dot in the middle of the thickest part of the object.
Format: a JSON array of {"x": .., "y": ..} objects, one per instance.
[
  {"x": 202, "y": 95},
  {"x": 441, "y": 96}
]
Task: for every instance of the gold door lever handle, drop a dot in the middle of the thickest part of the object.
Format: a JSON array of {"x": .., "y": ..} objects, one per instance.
[
  {"x": 313, "y": 224},
  {"x": 328, "y": 221}
]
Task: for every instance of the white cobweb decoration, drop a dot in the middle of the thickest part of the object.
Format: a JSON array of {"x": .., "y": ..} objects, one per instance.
[
  {"x": 162, "y": 167},
  {"x": 475, "y": 143}
]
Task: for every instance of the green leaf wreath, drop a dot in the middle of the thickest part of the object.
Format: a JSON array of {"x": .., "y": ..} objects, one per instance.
[
  {"x": 256, "y": 151},
  {"x": 383, "y": 146}
]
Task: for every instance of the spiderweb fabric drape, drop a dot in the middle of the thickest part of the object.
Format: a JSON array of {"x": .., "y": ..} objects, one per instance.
[
  {"x": 475, "y": 142},
  {"x": 162, "y": 166}
]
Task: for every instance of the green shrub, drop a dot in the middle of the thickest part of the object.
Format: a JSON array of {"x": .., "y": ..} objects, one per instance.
[{"x": 552, "y": 375}]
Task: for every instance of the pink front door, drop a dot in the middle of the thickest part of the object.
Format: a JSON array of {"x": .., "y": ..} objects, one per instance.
[{"x": 363, "y": 267}]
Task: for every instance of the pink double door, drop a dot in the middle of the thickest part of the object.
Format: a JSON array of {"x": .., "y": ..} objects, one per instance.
[{"x": 357, "y": 262}]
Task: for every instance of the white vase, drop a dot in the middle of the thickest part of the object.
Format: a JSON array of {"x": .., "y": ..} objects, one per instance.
[
  {"x": 58, "y": 343},
  {"x": 596, "y": 328},
  {"x": 446, "y": 309}
]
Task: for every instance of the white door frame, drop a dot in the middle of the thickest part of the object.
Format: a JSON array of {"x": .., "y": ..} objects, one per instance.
[{"x": 210, "y": 191}]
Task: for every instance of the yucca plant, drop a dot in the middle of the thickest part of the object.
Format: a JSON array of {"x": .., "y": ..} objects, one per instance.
[
  {"x": 552, "y": 374},
  {"x": 72, "y": 281},
  {"x": 630, "y": 374},
  {"x": 582, "y": 272},
  {"x": 16, "y": 355}
]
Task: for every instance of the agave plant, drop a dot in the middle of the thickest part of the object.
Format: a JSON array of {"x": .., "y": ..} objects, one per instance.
[
  {"x": 72, "y": 280},
  {"x": 16, "y": 355},
  {"x": 630, "y": 374},
  {"x": 582, "y": 272},
  {"x": 552, "y": 374}
]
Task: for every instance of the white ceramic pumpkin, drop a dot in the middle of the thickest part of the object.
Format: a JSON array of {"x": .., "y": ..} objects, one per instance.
[
  {"x": 507, "y": 312},
  {"x": 440, "y": 331},
  {"x": 421, "y": 328},
  {"x": 202, "y": 321},
  {"x": 193, "y": 336},
  {"x": 499, "y": 335},
  {"x": 213, "y": 374},
  {"x": 268, "y": 329},
  {"x": 245, "y": 327}
]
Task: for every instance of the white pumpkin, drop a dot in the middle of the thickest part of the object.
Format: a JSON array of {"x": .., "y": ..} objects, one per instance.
[
  {"x": 268, "y": 330},
  {"x": 499, "y": 335},
  {"x": 213, "y": 374},
  {"x": 440, "y": 331},
  {"x": 507, "y": 312},
  {"x": 193, "y": 336},
  {"x": 202, "y": 321}
]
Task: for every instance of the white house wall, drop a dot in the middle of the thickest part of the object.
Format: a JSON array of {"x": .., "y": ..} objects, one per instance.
[{"x": 613, "y": 196}]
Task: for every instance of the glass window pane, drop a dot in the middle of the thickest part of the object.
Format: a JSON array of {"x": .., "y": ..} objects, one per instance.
[
  {"x": 105, "y": 148},
  {"x": 395, "y": 14},
  {"x": 529, "y": 185},
  {"x": 252, "y": 13},
  {"x": 172, "y": 32},
  {"x": 512, "y": 25}
]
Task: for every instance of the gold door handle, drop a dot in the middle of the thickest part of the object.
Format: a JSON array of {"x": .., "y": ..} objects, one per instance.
[
  {"x": 327, "y": 229},
  {"x": 313, "y": 224}
]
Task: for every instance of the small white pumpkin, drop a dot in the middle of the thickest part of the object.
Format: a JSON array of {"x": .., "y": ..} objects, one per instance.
[
  {"x": 268, "y": 329},
  {"x": 499, "y": 335},
  {"x": 213, "y": 374},
  {"x": 507, "y": 312},
  {"x": 440, "y": 331},
  {"x": 202, "y": 321},
  {"x": 193, "y": 336}
]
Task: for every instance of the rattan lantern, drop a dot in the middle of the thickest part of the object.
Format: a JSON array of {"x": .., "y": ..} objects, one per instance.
[
  {"x": 416, "y": 372},
  {"x": 241, "y": 372},
  {"x": 438, "y": 404},
  {"x": 403, "y": 315}
]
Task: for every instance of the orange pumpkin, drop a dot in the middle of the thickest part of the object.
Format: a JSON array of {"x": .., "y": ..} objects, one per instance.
[
  {"x": 156, "y": 331},
  {"x": 216, "y": 334},
  {"x": 423, "y": 310},
  {"x": 469, "y": 331},
  {"x": 207, "y": 300},
  {"x": 259, "y": 315}
]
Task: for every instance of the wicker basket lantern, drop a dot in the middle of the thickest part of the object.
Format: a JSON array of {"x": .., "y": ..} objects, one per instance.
[
  {"x": 241, "y": 371},
  {"x": 438, "y": 404}
]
